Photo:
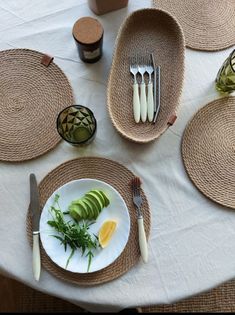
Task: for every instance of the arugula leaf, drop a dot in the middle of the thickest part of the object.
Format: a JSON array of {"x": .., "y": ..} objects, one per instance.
[
  {"x": 90, "y": 256},
  {"x": 72, "y": 233}
]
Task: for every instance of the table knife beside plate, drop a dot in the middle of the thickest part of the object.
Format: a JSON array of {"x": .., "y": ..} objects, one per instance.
[{"x": 35, "y": 214}]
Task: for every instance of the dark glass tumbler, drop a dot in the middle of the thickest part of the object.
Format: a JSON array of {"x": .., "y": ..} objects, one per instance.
[{"x": 77, "y": 125}]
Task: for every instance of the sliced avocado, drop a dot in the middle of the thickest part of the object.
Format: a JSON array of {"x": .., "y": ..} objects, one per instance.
[
  {"x": 75, "y": 202},
  {"x": 89, "y": 205},
  {"x": 100, "y": 196},
  {"x": 78, "y": 209},
  {"x": 85, "y": 209},
  {"x": 106, "y": 199},
  {"x": 97, "y": 198},
  {"x": 94, "y": 204},
  {"x": 74, "y": 214}
]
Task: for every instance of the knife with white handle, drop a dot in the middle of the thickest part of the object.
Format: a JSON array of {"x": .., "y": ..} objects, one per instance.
[{"x": 35, "y": 213}]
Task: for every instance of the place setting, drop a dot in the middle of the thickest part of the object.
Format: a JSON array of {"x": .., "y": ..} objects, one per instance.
[{"x": 93, "y": 219}]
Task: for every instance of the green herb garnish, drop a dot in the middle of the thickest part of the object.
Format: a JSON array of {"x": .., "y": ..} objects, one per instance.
[{"x": 72, "y": 234}]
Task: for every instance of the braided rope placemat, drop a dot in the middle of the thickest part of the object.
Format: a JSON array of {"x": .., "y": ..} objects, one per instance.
[
  {"x": 115, "y": 175},
  {"x": 208, "y": 150},
  {"x": 33, "y": 90},
  {"x": 146, "y": 31},
  {"x": 208, "y": 25}
]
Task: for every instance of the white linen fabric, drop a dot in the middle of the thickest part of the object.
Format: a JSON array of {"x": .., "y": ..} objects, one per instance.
[{"x": 192, "y": 241}]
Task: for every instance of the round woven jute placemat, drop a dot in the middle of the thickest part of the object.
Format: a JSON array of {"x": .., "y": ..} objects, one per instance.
[
  {"x": 33, "y": 90},
  {"x": 117, "y": 176},
  {"x": 208, "y": 150},
  {"x": 208, "y": 25}
]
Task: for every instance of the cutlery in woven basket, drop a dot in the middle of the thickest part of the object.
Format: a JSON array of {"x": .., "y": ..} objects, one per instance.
[
  {"x": 143, "y": 98},
  {"x": 150, "y": 99},
  {"x": 157, "y": 88},
  {"x": 136, "y": 99}
]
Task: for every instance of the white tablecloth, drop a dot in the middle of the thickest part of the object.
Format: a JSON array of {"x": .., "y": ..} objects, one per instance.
[{"x": 192, "y": 242}]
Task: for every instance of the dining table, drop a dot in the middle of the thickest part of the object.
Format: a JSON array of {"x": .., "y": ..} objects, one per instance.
[{"x": 192, "y": 239}]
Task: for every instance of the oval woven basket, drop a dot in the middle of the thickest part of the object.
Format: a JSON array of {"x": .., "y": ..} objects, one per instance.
[{"x": 144, "y": 32}]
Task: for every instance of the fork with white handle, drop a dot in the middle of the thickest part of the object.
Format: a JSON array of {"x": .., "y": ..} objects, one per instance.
[
  {"x": 136, "y": 99},
  {"x": 143, "y": 97}
]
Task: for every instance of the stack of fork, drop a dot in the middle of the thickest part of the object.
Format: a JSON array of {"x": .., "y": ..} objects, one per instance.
[{"x": 144, "y": 102}]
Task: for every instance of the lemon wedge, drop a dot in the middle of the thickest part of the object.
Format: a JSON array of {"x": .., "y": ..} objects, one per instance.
[{"x": 106, "y": 231}]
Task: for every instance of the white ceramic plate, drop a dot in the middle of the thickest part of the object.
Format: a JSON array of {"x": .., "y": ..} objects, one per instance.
[{"x": 117, "y": 210}]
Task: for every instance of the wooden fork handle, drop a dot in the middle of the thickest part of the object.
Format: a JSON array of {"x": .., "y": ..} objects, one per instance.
[{"x": 142, "y": 240}]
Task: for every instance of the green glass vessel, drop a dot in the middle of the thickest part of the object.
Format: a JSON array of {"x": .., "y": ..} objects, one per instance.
[
  {"x": 76, "y": 124},
  {"x": 225, "y": 80}
]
